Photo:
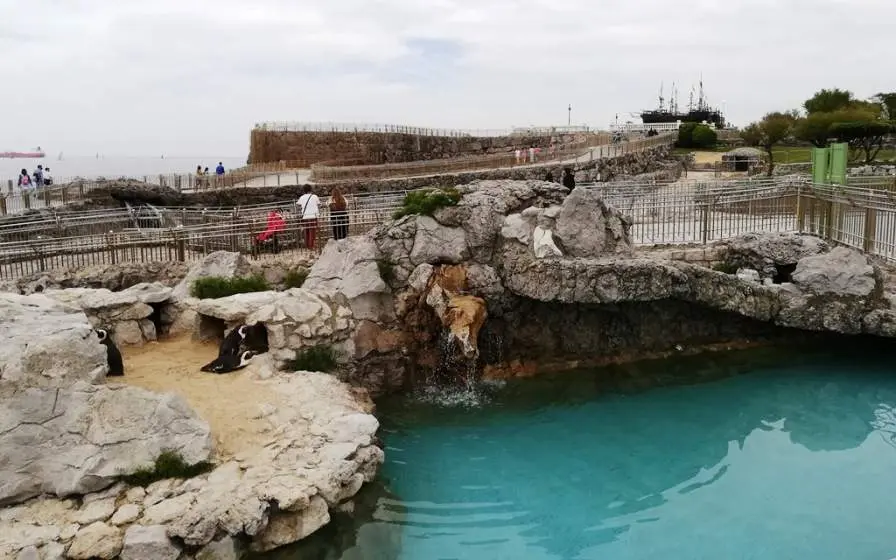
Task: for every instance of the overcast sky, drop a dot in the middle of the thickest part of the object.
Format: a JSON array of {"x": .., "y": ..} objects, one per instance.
[{"x": 191, "y": 77}]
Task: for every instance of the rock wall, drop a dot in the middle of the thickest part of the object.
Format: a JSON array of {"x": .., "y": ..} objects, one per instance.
[
  {"x": 654, "y": 162},
  {"x": 532, "y": 251},
  {"x": 363, "y": 148}
]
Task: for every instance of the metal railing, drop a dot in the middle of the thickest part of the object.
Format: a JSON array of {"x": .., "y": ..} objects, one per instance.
[
  {"x": 661, "y": 213},
  {"x": 300, "y": 126},
  {"x": 598, "y": 147}
]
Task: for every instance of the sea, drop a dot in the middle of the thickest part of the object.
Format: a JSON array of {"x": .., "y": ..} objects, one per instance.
[{"x": 96, "y": 166}]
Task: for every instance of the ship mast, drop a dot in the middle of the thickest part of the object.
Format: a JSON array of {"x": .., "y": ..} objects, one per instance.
[{"x": 661, "y": 96}]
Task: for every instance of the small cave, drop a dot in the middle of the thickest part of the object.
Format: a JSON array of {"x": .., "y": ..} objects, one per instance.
[
  {"x": 211, "y": 328},
  {"x": 257, "y": 338},
  {"x": 783, "y": 273},
  {"x": 158, "y": 316}
]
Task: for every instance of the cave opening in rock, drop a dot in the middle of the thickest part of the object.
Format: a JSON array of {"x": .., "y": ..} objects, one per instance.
[
  {"x": 157, "y": 318},
  {"x": 211, "y": 328},
  {"x": 257, "y": 338},
  {"x": 783, "y": 273}
]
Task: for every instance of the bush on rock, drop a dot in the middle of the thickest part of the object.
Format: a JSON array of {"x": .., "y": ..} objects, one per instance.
[
  {"x": 426, "y": 201},
  {"x": 169, "y": 464},
  {"x": 295, "y": 278},
  {"x": 218, "y": 287},
  {"x": 315, "y": 358}
]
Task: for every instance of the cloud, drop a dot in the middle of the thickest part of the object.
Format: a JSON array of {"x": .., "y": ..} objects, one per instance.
[{"x": 192, "y": 76}]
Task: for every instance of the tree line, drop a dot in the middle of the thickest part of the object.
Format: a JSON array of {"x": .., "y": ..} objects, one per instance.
[{"x": 829, "y": 115}]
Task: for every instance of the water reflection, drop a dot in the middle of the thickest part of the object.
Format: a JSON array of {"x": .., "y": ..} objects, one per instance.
[{"x": 591, "y": 466}]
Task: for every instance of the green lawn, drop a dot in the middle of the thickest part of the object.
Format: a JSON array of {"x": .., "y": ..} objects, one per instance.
[{"x": 795, "y": 154}]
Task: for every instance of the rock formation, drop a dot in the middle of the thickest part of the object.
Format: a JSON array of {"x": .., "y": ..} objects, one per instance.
[
  {"x": 62, "y": 431},
  {"x": 530, "y": 249}
]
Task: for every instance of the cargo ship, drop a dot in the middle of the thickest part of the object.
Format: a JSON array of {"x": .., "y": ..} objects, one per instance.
[
  {"x": 38, "y": 153},
  {"x": 698, "y": 112}
]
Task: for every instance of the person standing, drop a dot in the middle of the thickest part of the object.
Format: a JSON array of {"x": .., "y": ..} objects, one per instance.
[
  {"x": 569, "y": 180},
  {"x": 25, "y": 180},
  {"x": 219, "y": 174},
  {"x": 338, "y": 214},
  {"x": 38, "y": 176},
  {"x": 308, "y": 209}
]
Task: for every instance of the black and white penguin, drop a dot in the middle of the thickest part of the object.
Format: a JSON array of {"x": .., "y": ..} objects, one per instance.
[
  {"x": 229, "y": 362},
  {"x": 113, "y": 356},
  {"x": 232, "y": 343}
]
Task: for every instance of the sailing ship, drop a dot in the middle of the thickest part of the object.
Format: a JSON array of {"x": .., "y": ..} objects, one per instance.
[{"x": 698, "y": 112}]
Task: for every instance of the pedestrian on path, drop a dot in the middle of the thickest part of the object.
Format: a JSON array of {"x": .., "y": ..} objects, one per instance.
[{"x": 309, "y": 210}]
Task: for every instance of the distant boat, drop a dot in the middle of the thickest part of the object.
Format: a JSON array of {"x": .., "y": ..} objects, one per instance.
[{"x": 38, "y": 153}]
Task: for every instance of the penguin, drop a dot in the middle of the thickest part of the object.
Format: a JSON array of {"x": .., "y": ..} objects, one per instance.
[
  {"x": 231, "y": 344},
  {"x": 113, "y": 356},
  {"x": 229, "y": 362}
]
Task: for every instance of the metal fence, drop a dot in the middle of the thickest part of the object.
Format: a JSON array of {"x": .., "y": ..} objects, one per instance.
[
  {"x": 66, "y": 191},
  {"x": 300, "y": 126},
  {"x": 63, "y": 240},
  {"x": 597, "y": 147},
  {"x": 860, "y": 216}
]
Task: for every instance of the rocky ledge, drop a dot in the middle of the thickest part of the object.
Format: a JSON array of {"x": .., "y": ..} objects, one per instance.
[{"x": 66, "y": 436}]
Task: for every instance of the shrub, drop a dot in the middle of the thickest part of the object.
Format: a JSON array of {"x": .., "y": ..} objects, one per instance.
[
  {"x": 169, "y": 464},
  {"x": 218, "y": 287},
  {"x": 694, "y": 135},
  {"x": 387, "y": 270},
  {"x": 725, "y": 267},
  {"x": 295, "y": 278},
  {"x": 315, "y": 358},
  {"x": 426, "y": 201}
]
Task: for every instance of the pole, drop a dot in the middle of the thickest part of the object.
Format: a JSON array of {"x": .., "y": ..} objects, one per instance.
[{"x": 569, "y": 117}]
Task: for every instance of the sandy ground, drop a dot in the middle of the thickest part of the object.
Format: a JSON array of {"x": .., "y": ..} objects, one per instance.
[
  {"x": 228, "y": 402},
  {"x": 707, "y": 157}
]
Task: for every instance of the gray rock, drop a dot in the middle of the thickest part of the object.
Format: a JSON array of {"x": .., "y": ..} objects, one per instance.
[
  {"x": 80, "y": 439},
  {"x": 765, "y": 251},
  {"x": 97, "y": 540},
  {"x": 289, "y": 527},
  {"x": 543, "y": 244},
  {"x": 145, "y": 542},
  {"x": 435, "y": 243},
  {"x": 348, "y": 266},
  {"x": 225, "y": 548},
  {"x": 517, "y": 229},
  {"x": 842, "y": 272},
  {"x": 46, "y": 344},
  {"x": 219, "y": 263},
  {"x": 52, "y": 551},
  {"x": 420, "y": 277},
  {"x": 28, "y": 553},
  {"x": 588, "y": 227},
  {"x": 127, "y": 513},
  {"x": 748, "y": 274}
]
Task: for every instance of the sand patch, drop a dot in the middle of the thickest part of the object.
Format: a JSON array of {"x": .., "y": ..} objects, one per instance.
[
  {"x": 707, "y": 157},
  {"x": 229, "y": 402}
]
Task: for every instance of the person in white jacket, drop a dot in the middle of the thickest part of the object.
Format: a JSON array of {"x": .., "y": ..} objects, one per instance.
[{"x": 308, "y": 209}]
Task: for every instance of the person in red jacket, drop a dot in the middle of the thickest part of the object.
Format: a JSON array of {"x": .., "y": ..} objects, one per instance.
[{"x": 276, "y": 224}]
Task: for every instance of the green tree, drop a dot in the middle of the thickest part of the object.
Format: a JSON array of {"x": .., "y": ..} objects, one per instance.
[
  {"x": 828, "y": 100},
  {"x": 704, "y": 137},
  {"x": 766, "y": 133},
  {"x": 816, "y": 127},
  {"x": 864, "y": 137},
  {"x": 888, "y": 103},
  {"x": 686, "y": 135}
]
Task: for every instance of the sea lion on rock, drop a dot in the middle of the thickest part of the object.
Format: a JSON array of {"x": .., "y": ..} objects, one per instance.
[{"x": 113, "y": 355}]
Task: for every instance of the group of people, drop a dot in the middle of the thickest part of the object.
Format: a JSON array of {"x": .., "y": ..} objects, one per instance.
[
  {"x": 308, "y": 210},
  {"x": 40, "y": 178},
  {"x": 202, "y": 175}
]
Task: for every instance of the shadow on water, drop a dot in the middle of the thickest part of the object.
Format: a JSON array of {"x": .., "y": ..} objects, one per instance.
[{"x": 609, "y": 423}]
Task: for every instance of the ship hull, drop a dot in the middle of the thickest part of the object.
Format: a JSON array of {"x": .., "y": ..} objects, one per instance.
[{"x": 22, "y": 155}]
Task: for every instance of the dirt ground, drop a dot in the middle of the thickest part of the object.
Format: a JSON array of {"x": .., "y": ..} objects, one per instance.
[
  {"x": 228, "y": 402},
  {"x": 707, "y": 157}
]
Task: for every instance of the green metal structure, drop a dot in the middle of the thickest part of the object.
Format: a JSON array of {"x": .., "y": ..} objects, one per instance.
[{"x": 829, "y": 164}]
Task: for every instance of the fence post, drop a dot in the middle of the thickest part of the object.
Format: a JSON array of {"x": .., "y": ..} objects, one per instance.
[
  {"x": 26, "y": 199},
  {"x": 180, "y": 247},
  {"x": 9, "y": 186},
  {"x": 870, "y": 230},
  {"x": 800, "y": 219},
  {"x": 707, "y": 209},
  {"x": 2, "y": 205}
]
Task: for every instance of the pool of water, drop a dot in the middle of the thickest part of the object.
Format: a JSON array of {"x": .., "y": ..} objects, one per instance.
[{"x": 774, "y": 455}]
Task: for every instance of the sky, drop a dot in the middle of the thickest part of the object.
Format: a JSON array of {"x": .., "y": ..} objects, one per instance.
[{"x": 192, "y": 77}]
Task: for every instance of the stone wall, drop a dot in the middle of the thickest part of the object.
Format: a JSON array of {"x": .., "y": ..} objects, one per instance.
[
  {"x": 654, "y": 161},
  {"x": 363, "y": 148}
]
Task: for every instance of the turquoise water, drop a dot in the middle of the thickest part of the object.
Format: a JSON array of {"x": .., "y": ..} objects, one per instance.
[{"x": 796, "y": 459}]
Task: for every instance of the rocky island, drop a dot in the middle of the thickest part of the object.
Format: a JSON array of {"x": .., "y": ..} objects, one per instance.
[{"x": 515, "y": 278}]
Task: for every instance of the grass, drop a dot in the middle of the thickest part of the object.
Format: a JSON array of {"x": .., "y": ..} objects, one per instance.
[
  {"x": 315, "y": 358},
  {"x": 218, "y": 287},
  {"x": 387, "y": 271},
  {"x": 169, "y": 464},
  {"x": 295, "y": 278},
  {"x": 426, "y": 201}
]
